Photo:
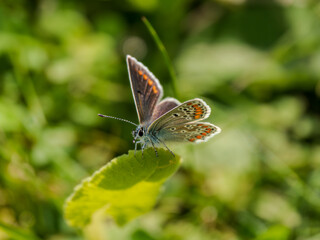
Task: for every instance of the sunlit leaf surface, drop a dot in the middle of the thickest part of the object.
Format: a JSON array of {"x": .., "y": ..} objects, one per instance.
[{"x": 125, "y": 188}]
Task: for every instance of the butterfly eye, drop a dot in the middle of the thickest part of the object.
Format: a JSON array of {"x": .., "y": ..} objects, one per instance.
[{"x": 140, "y": 133}]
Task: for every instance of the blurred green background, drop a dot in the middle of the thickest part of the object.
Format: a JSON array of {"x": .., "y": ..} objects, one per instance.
[{"x": 256, "y": 63}]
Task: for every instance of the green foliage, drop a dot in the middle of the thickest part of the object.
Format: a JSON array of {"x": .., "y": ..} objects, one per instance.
[
  {"x": 276, "y": 232},
  {"x": 164, "y": 54},
  {"x": 125, "y": 188},
  {"x": 17, "y": 233}
]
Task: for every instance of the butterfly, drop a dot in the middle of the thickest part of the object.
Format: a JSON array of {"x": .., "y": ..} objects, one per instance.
[{"x": 167, "y": 120}]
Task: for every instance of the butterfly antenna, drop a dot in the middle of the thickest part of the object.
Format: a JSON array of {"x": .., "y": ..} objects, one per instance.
[{"x": 124, "y": 120}]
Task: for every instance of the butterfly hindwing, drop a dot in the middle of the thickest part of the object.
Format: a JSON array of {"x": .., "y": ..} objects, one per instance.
[
  {"x": 164, "y": 106},
  {"x": 146, "y": 89},
  {"x": 189, "y": 132}
]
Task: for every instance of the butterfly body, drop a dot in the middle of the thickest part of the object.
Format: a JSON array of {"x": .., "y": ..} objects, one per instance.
[{"x": 167, "y": 120}]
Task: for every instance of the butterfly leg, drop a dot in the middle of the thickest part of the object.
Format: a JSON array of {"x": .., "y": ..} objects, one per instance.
[
  {"x": 154, "y": 147},
  {"x": 166, "y": 146},
  {"x": 135, "y": 147},
  {"x": 142, "y": 147}
]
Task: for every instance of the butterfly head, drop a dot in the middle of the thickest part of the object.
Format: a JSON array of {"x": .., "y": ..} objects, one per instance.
[{"x": 138, "y": 133}]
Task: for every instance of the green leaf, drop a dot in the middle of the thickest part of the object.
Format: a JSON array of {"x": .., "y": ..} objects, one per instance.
[
  {"x": 17, "y": 233},
  {"x": 124, "y": 188}
]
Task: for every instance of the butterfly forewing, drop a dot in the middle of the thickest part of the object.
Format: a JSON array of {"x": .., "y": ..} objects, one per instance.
[
  {"x": 189, "y": 111},
  {"x": 145, "y": 87}
]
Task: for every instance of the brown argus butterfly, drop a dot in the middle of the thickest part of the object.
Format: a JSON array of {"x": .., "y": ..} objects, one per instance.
[{"x": 167, "y": 120}]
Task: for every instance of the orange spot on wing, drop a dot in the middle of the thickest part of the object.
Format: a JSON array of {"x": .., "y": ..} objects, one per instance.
[
  {"x": 191, "y": 139},
  {"x": 208, "y": 130},
  {"x": 150, "y": 82},
  {"x": 140, "y": 72},
  {"x": 199, "y": 137},
  {"x": 204, "y": 134},
  {"x": 145, "y": 77},
  {"x": 195, "y": 106},
  {"x": 189, "y": 103},
  {"x": 197, "y": 116},
  {"x": 154, "y": 89},
  {"x": 199, "y": 124}
]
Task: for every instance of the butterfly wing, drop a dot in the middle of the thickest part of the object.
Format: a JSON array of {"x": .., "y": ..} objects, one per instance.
[
  {"x": 180, "y": 123},
  {"x": 163, "y": 107},
  {"x": 189, "y": 111},
  {"x": 146, "y": 89},
  {"x": 192, "y": 132}
]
